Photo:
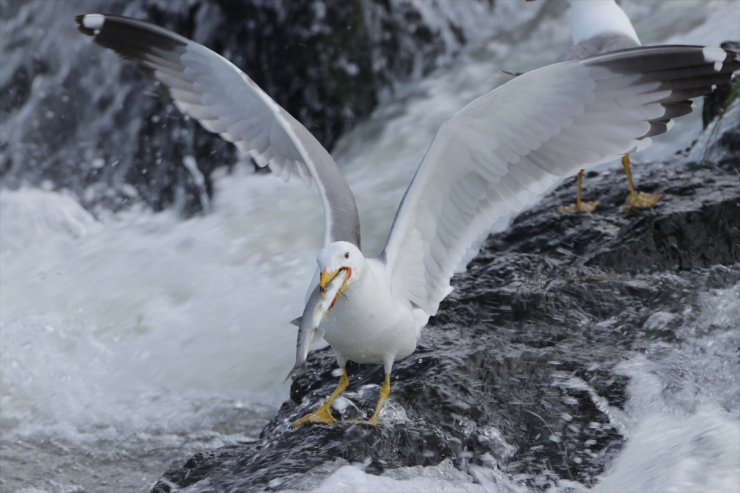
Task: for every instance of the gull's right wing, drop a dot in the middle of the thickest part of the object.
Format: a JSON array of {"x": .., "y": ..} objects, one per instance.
[{"x": 225, "y": 101}]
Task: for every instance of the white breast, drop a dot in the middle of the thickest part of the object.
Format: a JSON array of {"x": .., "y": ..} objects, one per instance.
[{"x": 369, "y": 325}]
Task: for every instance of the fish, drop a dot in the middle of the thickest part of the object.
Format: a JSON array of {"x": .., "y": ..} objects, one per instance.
[{"x": 320, "y": 302}]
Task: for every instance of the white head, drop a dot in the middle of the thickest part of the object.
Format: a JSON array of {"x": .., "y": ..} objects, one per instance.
[
  {"x": 589, "y": 18},
  {"x": 337, "y": 256}
]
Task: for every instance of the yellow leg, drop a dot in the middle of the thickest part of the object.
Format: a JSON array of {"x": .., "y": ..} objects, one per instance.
[
  {"x": 637, "y": 199},
  {"x": 385, "y": 392},
  {"x": 580, "y": 205},
  {"x": 323, "y": 414}
]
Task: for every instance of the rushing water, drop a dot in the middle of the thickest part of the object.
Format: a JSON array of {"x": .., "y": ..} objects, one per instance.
[{"x": 130, "y": 340}]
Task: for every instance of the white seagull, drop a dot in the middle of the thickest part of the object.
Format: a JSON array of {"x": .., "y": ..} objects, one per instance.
[
  {"x": 486, "y": 162},
  {"x": 601, "y": 26}
]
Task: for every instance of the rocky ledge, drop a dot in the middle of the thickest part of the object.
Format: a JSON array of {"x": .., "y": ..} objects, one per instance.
[{"x": 517, "y": 370}]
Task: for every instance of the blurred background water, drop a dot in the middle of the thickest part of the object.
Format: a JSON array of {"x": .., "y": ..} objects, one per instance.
[{"x": 131, "y": 338}]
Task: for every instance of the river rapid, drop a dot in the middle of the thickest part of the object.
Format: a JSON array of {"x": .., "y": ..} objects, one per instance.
[{"x": 130, "y": 340}]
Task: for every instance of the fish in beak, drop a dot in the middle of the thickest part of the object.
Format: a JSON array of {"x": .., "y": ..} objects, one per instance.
[
  {"x": 317, "y": 307},
  {"x": 327, "y": 277}
]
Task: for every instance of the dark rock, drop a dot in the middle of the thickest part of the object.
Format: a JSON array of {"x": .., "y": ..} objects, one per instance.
[
  {"x": 517, "y": 369},
  {"x": 716, "y": 103},
  {"x": 719, "y": 144}
]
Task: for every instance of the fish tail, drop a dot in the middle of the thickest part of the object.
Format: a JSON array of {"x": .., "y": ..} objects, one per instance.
[{"x": 297, "y": 370}]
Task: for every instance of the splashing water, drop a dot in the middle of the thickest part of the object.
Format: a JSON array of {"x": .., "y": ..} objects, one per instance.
[{"x": 130, "y": 340}]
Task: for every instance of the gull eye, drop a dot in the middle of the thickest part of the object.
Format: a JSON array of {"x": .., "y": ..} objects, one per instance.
[{"x": 346, "y": 254}]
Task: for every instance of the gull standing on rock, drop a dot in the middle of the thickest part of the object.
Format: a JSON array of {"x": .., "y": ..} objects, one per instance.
[
  {"x": 490, "y": 160},
  {"x": 601, "y": 26}
]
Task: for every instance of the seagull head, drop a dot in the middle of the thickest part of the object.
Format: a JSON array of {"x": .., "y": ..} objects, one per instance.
[{"x": 337, "y": 257}]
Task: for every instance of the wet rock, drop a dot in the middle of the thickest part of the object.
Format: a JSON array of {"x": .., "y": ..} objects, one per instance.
[
  {"x": 720, "y": 143},
  {"x": 517, "y": 370},
  {"x": 716, "y": 103}
]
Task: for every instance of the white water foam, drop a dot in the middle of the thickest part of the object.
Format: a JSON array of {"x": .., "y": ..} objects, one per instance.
[
  {"x": 129, "y": 340},
  {"x": 685, "y": 408}
]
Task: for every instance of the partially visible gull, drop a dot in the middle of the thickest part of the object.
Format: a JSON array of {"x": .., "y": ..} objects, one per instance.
[
  {"x": 485, "y": 163},
  {"x": 601, "y": 26}
]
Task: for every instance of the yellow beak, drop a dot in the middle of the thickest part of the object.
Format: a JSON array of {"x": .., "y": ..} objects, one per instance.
[{"x": 325, "y": 278}]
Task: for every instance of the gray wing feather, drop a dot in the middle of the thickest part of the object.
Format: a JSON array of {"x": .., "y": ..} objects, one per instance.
[{"x": 226, "y": 101}]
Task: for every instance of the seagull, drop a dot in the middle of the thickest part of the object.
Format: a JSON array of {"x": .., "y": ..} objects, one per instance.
[
  {"x": 490, "y": 160},
  {"x": 601, "y": 26}
]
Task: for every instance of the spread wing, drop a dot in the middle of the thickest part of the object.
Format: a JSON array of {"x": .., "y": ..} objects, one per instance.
[
  {"x": 226, "y": 101},
  {"x": 493, "y": 157}
]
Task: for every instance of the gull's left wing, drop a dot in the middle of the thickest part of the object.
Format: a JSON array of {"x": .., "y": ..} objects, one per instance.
[
  {"x": 213, "y": 91},
  {"x": 493, "y": 157}
]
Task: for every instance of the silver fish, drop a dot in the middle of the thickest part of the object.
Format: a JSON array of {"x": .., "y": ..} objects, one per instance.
[{"x": 309, "y": 331}]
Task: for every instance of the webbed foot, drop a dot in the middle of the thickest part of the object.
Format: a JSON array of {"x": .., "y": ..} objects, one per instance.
[
  {"x": 642, "y": 199},
  {"x": 635, "y": 198},
  {"x": 323, "y": 414},
  {"x": 580, "y": 205}
]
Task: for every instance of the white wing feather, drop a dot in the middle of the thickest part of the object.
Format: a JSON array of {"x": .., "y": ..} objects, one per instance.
[{"x": 496, "y": 155}]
